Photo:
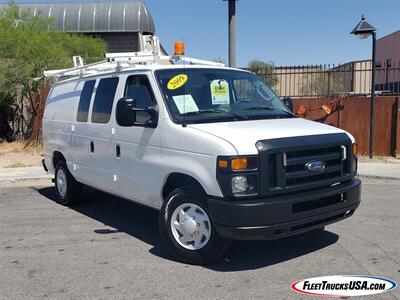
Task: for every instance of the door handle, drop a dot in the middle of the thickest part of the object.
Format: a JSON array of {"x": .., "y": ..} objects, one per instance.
[
  {"x": 118, "y": 151},
  {"x": 91, "y": 147}
]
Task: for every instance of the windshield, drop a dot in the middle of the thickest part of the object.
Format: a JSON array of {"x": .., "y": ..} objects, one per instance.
[{"x": 214, "y": 95}]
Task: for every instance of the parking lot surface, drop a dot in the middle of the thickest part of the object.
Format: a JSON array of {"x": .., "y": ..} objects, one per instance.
[{"x": 110, "y": 248}]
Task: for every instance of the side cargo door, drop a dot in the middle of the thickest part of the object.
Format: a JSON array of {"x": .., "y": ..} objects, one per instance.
[
  {"x": 100, "y": 136},
  {"x": 80, "y": 137}
]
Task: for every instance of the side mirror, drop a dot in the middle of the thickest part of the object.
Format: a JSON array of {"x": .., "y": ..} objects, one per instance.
[
  {"x": 288, "y": 103},
  {"x": 128, "y": 115}
]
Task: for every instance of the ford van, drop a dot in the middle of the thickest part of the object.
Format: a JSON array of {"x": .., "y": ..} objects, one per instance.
[{"x": 212, "y": 148}]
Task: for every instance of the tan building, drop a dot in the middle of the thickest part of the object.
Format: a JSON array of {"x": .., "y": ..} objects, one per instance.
[
  {"x": 354, "y": 77},
  {"x": 296, "y": 80},
  {"x": 323, "y": 80}
]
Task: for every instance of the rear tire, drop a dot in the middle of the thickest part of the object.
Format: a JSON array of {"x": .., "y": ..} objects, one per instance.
[
  {"x": 67, "y": 188},
  {"x": 187, "y": 230}
]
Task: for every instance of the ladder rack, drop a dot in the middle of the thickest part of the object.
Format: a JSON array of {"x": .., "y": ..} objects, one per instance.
[{"x": 117, "y": 62}]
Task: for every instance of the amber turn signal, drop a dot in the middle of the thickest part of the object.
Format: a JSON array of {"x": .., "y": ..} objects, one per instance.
[
  {"x": 222, "y": 164},
  {"x": 179, "y": 48},
  {"x": 239, "y": 163}
]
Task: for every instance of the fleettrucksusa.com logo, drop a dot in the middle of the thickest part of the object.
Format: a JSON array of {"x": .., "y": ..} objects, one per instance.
[{"x": 343, "y": 285}]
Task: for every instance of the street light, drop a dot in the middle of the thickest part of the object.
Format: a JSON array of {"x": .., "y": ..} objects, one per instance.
[
  {"x": 363, "y": 30},
  {"x": 232, "y": 32}
]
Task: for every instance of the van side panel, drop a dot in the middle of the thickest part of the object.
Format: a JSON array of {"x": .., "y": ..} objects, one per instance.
[{"x": 58, "y": 121}]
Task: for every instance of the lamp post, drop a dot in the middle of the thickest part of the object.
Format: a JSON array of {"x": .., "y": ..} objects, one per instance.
[
  {"x": 232, "y": 32},
  {"x": 363, "y": 30}
]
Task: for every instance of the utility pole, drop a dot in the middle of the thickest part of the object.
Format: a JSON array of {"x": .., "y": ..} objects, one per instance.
[{"x": 232, "y": 32}]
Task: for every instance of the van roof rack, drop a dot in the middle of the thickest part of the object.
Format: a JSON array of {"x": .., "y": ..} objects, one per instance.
[{"x": 150, "y": 55}]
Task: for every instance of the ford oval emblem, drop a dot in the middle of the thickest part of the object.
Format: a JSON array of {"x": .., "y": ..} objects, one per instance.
[{"x": 315, "y": 166}]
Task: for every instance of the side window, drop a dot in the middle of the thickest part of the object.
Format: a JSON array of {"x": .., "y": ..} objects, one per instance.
[
  {"x": 84, "y": 101},
  {"x": 138, "y": 88},
  {"x": 104, "y": 99}
]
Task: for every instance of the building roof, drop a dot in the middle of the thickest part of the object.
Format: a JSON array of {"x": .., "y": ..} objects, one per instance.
[
  {"x": 393, "y": 35},
  {"x": 92, "y": 17}
]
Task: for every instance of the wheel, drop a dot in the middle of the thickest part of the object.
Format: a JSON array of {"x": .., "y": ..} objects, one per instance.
[
  {"x": 187, "y": 230},
  {"x": 67, "y": 188}
]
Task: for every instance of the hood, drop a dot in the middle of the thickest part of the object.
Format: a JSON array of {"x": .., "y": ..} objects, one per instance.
[{"x": 244, "y": 135}]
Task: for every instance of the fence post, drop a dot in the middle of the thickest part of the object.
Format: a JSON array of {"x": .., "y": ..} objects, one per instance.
[
  {"x": 329, "y": 82},
  {"x": 397, "y": 151}
]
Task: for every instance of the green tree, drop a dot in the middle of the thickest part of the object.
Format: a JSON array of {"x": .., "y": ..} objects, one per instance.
[
  {"x": 27, "y": 48},
  {"x": 266, "y": 70}
]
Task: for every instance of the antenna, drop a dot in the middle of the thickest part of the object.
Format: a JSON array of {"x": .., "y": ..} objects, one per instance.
[{"x": 184, "y": 87}]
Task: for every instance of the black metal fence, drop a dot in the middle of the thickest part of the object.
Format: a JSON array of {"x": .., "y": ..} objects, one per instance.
[{"x": 335, "y": 80}]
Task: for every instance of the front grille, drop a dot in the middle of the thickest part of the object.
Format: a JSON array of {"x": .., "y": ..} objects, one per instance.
[
  {"x": 272, "y": 178},
  {"x": 296, "y": 174},
  {"x": 282, "y": 162}
]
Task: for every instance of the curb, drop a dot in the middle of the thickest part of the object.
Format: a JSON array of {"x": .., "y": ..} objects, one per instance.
[
  {"x": 377, "y": 177},
  {"x": 23, "y": 179},
  {"x": 23, "y": 173}
]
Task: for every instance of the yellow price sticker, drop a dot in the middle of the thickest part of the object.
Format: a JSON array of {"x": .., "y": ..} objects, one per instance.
[
  {"x": 177, "y": 81},
  {"x": 221, "y": 90}
]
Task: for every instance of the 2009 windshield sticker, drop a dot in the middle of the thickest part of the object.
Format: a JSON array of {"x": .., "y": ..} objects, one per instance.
[
  {"x": 343, "y": 286},
  {"x": 177, "y": 81}
]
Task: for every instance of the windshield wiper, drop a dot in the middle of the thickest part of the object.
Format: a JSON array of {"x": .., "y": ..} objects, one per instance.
[
  {"x": 269, "y": 108},
  {"x": 213, "y": 110}
]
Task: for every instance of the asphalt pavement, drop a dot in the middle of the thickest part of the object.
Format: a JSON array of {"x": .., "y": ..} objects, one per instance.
[{"x": 109, "y": 248}]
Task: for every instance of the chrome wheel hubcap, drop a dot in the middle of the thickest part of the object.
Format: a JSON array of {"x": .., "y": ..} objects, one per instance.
[
  {"x": 61, "y": 183},
  {"x": 191, "y": 226}
]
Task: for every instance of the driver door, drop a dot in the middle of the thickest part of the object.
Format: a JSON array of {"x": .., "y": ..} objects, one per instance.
[{"x": 138, "y": 148}]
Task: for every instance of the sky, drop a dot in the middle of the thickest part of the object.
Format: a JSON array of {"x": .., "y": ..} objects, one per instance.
[{"x": 285, "y": 32}]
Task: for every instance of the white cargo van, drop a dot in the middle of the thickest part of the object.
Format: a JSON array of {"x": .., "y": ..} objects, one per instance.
[{"x": 212, "y": 148}]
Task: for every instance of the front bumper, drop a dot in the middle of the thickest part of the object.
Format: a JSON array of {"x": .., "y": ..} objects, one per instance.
[{"x": 285, "y": 215}]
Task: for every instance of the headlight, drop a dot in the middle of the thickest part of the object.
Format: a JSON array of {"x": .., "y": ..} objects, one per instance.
[
  {"x": 239, "y": 184},
  {"x": 238, "y": 175}
]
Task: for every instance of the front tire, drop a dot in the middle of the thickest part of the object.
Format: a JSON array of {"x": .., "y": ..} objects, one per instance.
[
  {"x": 67, "y": 188},
  {"x": 187, "y": 230}
]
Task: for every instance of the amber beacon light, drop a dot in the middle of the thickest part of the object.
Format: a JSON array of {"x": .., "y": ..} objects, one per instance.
[{"x": 179, "y": 48}]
